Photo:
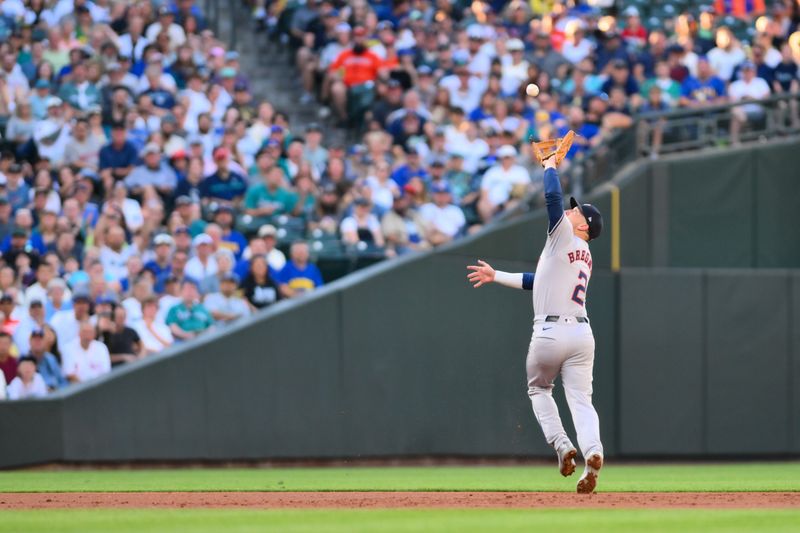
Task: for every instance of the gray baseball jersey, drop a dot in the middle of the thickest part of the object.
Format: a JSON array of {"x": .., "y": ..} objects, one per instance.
[{"x": 562, "y": 274}]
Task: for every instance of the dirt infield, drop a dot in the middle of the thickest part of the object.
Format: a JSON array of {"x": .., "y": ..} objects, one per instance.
[{"x": 374, "y": 500}]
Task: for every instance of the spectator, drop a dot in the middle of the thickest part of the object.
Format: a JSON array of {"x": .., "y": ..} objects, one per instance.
[
  {"x": 84, "y": 357},
  {"x": 502, "y": 183},
  {"x": 123, "y": 342},
  {"x": 232, "y": 240},
  {"x": 8, "y": 363},
  {"x": 66, "y": 323},
  {"x": 35, "y": 321},
  {"x": 299, "y": 275},
  {"x": 404, "y": 228},
  {"x": 223, "y": 186},
  {"x": 79, "y": 92},
  {"x": 154, "y": 174},
  {"x": 259, "y": 287},
  {"x": 59, "y": 298},
  {"x": 747, "y": 89},
  {"x": 445, "y": 220},
  {"x": 46, "y": 363},
  {"x": 7, "y": 307},
  {"x": 154, "y": 333},
  {"x": 383, "y": 188},
  {"x": 362, "y": 225},
  {"x": 118, "y": 158},
  {"x": 226, "y": 305},
  {"x": 270, "y": 198},
  {"x": 786, "y": 82},
  {"x": 189, "y": 318},
  {"x": 115, "y": 252},
  {"x": 203, "y": 264},
  {"x": 52, "y": 133},
  {"x": 264, "y": 243},
  {"x": 83, "y": 150},
  {"x": 726, "y": 55},
  {"x": 670, "y": 90},
  {"x": 21, "y": 125},
  {"x": 704, "y": 89},
  {"x": 225, "y": 265},
  {"x": 29, "y": 383},
  {"x": 355, "y": 69}
]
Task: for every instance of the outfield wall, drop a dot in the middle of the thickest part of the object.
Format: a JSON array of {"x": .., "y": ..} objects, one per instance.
[{"x": 405, "y": 359}]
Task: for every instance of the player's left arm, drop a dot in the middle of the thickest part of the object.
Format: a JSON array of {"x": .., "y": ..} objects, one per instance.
[
  {"x": 483, "y": 273},
  {"x": 553, "y": 195}
]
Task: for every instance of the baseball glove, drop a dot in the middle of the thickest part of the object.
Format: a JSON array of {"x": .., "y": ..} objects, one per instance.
[{"x": 557, "y": 148}]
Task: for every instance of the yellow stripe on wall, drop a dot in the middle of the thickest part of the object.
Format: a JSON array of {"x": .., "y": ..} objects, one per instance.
[{"x": 615, "y": 225}]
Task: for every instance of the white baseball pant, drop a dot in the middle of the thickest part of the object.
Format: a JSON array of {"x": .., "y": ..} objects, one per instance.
[{"x": 565, "y": 347}]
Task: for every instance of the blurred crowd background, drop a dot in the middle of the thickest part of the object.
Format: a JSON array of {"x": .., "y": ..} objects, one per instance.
[{"x": 147, "y": 195}]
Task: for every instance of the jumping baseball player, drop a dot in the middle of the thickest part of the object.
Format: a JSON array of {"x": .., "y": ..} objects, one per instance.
[{"x": 562, "y": 340}]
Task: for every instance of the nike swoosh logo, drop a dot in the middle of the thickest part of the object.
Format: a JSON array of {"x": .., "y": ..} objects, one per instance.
[{"x": 545, "y": 329}]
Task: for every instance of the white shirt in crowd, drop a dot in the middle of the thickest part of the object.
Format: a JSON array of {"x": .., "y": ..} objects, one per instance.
[
  {"x": 756, "y": 88},
  {"x": 499, "y": 182},
  {"x": 177, "y": 37},
  {"x": 195, "y": 268},
  {"x": 2, "y": 386},
  {"x": 22, "y": 334},
  {"x": 114, "y": 262},
  {"x": 233, "y": 305},
  {"x": 132, "y": 212},
  {"x": 383, "y": 193},
  {"x": 86, "y": 364},
  {"x": 198, "y": 103},
  {"x": 51, "y": 138},
  {"x": 127, "y": 48},
  {"x": 17, "y": 390},
  {"x": 165, "y": 303},
  {"x": 724, "y": 61},
  {"x": 513, "y": 75},
  {"x": 466, "y": 98},
  {"x": 473, "y": 151},
  {"x": 448, "y": 219},
  {"x": 37, "y": 292},
  {"x": 66, "y": 327},
  {"x": 350, "y": 224},
  {"x": 576, "y": 52},
  {"x": 152, "y": 338},
  {"x": 133, "y": 310}
]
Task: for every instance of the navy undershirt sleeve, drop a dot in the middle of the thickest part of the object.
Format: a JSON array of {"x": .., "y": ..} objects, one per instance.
[
  {"x": 527, "y": 281},
  {"x": 553, "y": 197}
]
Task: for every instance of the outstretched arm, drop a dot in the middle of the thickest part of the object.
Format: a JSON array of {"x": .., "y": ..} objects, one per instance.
[
  {"x": 554, "y": 198},
  {"x": 483, "y": 273}
]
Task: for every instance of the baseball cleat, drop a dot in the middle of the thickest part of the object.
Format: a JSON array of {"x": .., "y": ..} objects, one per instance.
[
  {"x": 566, "y": 460},
  {"x": 588, "y": 481}
]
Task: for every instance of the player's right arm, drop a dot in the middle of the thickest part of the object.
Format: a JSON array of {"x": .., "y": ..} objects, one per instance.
[{"x": 483, "y": 273}]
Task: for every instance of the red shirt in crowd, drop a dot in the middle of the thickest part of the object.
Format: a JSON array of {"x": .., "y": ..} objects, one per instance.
[
  {"x": 358, "y": 68},
  {"x": 9, "y": 368},
  {"x": 636, "y": 35}
]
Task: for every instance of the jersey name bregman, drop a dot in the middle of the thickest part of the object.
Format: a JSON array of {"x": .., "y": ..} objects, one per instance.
[{"x": 580, "y": 255}]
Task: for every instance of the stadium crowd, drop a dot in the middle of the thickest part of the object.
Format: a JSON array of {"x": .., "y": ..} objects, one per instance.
[{"x": 147, "y": 197}]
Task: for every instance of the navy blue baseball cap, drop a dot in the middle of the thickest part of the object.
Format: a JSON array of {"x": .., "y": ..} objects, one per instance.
[{"x": 593, "y": 217}]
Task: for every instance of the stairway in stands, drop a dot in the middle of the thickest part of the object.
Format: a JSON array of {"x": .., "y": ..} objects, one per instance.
[{"x": 273, "y": 75}]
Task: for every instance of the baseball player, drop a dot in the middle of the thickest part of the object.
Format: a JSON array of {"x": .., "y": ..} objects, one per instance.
[{"x": 562, "y": 340}]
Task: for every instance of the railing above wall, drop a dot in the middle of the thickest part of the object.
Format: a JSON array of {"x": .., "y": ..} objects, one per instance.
[{"x": 681, "y": 130}]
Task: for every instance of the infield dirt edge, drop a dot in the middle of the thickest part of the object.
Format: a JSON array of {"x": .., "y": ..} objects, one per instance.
[{"x": 398, "y": 500}]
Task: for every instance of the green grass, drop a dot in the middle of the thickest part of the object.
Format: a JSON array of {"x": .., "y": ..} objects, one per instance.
[
  {"x": 629, "y": 478},
  {"x": 461, "y": 521}
]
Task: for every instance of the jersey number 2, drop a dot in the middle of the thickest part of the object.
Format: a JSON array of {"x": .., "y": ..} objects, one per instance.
[{"x": 579, "y": 294}]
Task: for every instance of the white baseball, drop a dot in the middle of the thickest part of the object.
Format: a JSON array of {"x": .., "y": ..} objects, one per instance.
[{"x": 532, "y": 90}]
